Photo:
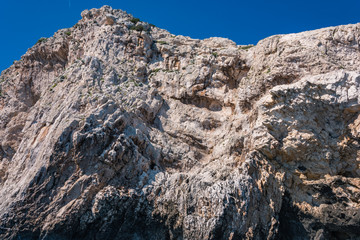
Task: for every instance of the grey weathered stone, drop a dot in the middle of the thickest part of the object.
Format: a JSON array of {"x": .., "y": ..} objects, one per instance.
[{"x": 122, "y": 134}]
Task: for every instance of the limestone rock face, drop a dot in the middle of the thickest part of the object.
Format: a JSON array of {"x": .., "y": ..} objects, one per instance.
[{"x": 116, "y": 129}]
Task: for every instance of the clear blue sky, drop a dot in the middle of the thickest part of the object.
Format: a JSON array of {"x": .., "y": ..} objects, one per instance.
[{"x": 23, "y": 22}]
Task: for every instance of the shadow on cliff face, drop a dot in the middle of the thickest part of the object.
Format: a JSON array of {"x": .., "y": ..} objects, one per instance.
[
  {"x": 333, "y": 224},
  {"x": 290, "y": 226},
  {"x": 132, "y": 219},
  {"x": 222, "y": 230}
]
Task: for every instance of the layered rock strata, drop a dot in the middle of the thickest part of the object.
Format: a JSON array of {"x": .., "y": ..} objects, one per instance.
[{"x": 116, "y": 129}]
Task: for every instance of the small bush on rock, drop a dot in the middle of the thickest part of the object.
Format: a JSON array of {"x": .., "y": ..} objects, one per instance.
[
  {"x": 42, "y": 40},
  {"x": 134, "y": 20},
  {"x": 138, "y": 28}
]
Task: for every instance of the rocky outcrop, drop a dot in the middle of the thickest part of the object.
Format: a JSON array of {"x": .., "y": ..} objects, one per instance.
[{"x": 116, "y": 129}]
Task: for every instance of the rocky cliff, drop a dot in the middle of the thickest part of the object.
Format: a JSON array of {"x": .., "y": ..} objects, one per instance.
[{"x": 116, "y": 129}]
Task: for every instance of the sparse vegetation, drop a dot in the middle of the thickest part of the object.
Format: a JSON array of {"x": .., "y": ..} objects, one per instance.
[
  {"x": 53, "y": 86},
  {"x": 169, "y": 71},
  {"x": 138, "y": 28},
  {"x": 134, "y": 20},
  {"x": 155, "y": 70},
  {"x": 136, "y": 84},
  {"x": 215, "y": 54},
  {"x": 68, "y": 33},
  {"x": 161, "y": 42},
  {"x": 246, "y": 47},
  {"x": 42, "y": 40}
]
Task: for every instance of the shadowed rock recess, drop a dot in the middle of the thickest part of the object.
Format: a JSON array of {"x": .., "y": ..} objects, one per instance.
[{"x": 116, "y": 129}]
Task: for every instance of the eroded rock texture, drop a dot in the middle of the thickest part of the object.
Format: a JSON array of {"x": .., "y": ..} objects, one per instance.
[{"x": 116, "y": 129}]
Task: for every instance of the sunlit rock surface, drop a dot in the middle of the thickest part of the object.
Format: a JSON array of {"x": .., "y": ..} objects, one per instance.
[{"x": 116, "y": 129}]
